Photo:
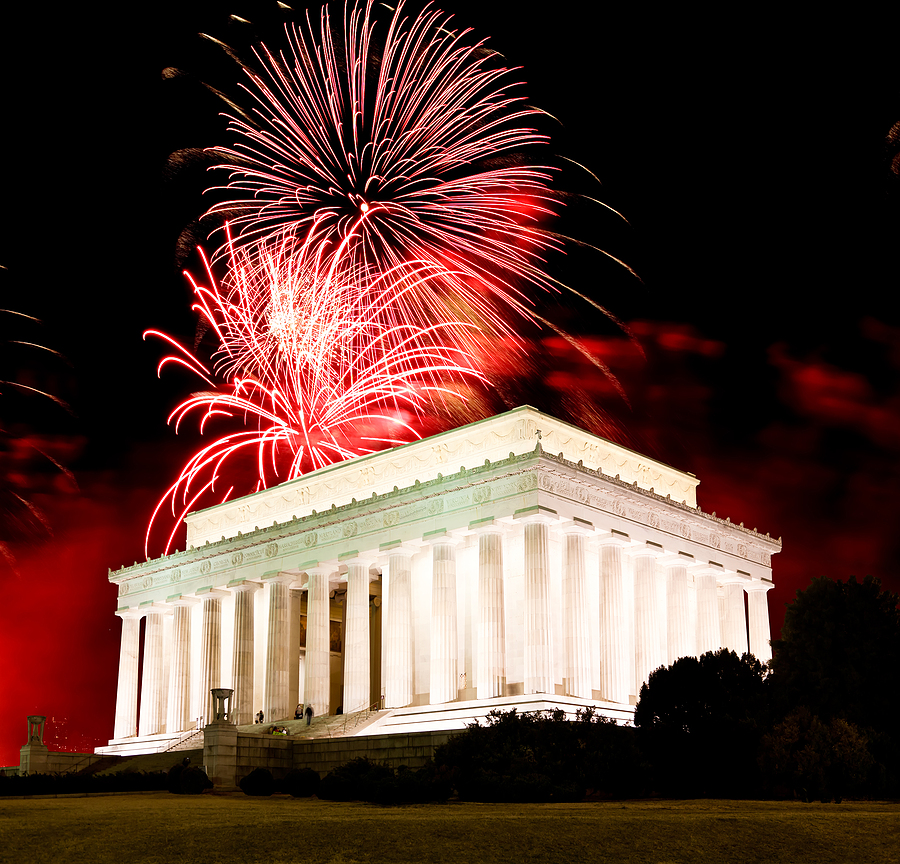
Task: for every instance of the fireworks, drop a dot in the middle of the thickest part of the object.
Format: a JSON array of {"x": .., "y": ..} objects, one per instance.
[
  {"x": 308, "y": 364},
  {"x": 383, "y": 229},
  {"x": 412, "y": 140}
]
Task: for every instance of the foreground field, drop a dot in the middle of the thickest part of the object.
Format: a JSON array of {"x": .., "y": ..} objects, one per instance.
[{"x": 230, "y": 827}]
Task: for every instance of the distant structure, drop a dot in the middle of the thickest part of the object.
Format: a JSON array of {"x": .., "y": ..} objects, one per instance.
[{"x": 515, "y": 562}]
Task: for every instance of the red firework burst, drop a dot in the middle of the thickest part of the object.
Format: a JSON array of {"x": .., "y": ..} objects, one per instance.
[
  {"x": 413, "y": 139},
  {"x": 309, "y": 360}
]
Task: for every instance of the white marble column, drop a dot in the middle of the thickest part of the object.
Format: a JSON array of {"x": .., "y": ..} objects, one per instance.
[
  {"x": 734, "y": 634},
  {"x": 356, "y": 636},
  {"x": 577, "y": 636},
  {"x": 295, "y": 673},
  {"x": 490, "y": 666},
  {"x": 615, "y": 642},
  {"x": 317, "y": 682},
  {"x": 538, "y": 617},
  {"x": 758, "y": 613},
  {"x": 708, "y": 636},
  {"x": 398, "y": 666},
  {"x": 647, "y": 649},
  {"x": 443, "y": 681},
  {"x": 210, "y": 672},
  {"x": 179, "y": 713},
  {"x": 127, "y": 693},
  {"x": 277, "y": 637},
  {"x": 242, "y": 663},
  {"x": 680, "y": 639},
  {"x": 153, "y": 712}
]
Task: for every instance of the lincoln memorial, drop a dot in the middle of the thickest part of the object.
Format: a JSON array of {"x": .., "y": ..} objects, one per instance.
[{"x": 514, "y": 562}]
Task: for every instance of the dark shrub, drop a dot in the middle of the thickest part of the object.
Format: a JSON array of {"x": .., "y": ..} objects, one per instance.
[
  {"x": 258, "y": 782},
  {"x": 362, "y": 780},
  {"x": 67, "y": 784},
  {"x": 815, "y": 759},
  {"x": 542, "y": 756},
  {"x": 194, "y": 781},
  {"x": 353, "y": 781},
  {"x": 301, "y": 782},
  {"x": 173, "y": 783}
]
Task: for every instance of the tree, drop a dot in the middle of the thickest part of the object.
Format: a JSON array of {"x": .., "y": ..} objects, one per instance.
[
  {"x": 839, "y": 653},
  {"x": 700, "y": 722},
  {"x": 815, "y": 759},
  {"x": 839, "y": 657}
]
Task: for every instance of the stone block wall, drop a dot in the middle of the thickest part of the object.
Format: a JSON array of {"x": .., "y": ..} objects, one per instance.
[
  {"x": 324, "y": 755},
  {"x": 229, "y": 755}
]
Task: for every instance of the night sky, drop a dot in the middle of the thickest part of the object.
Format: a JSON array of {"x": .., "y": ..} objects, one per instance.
[{"x": 750, "y": 157}]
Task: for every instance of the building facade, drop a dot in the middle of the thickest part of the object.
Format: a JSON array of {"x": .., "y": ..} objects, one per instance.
[{"x": 515, "y": 556}]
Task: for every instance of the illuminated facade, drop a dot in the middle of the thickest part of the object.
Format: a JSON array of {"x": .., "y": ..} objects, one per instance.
[{"x": 518, "y": 561}]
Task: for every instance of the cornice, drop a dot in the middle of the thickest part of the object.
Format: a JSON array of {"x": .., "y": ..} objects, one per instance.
[
  {"x": 532, "y": 471},
  {"x": 515, "y": 432}
]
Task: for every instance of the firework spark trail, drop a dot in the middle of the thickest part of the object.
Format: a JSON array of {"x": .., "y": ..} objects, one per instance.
[
  {"x": 306, "y": 362},
  {"x": 388, "y": 230},
  {"x": 416, "y": 149}
]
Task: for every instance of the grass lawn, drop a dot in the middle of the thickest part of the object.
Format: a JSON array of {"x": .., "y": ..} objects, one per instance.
[{"x": 230, "y": 827}]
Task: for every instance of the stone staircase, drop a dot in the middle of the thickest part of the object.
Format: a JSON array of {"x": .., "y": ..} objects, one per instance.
[
  {"x": 103, "y": 764},
  {"x": 333, "y": 726},
  {"x": 151, "y": 762},
  {"x": 190, "y": 741}
]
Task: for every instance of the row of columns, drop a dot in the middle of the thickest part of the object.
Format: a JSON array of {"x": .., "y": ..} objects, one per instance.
[{"x": 637, "y": 632}]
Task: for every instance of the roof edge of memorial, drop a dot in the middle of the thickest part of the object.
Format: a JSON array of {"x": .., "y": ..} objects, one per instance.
[
  {"x": 277, "y": 529},
  {"x": 433, "y": 441}
]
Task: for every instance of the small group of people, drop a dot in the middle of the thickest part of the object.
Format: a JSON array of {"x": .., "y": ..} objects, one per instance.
[{"x": 299, "y": 714}]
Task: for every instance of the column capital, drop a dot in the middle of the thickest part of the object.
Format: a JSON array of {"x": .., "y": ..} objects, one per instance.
[
  {"x": 441, "y": 537},
  {"x": 758, "y": 585},
  {"x": 181, "y": 600},
  {"x": 577, "y": 526},
  {"x": 729, "y": 577},
  {"x": 647, "y": 549},
  {"x": 326, "y": 566},
  {"x": 240, "y": 586},
  {"x": 710, "y": 568},
  {"x": 278, "y": 576},
  {"x": 211, "y": 593},
  {"x": 488, "y": 525},
  {"x": 129, "y": 612},
  {"x": 680, "y": 559},
  {"x": 536, "y": 513},
  {"x": 155, "y": 607},
  {"x": 367, "y": 559},
  {"x": 314, "y": 568},
  {"x": 614, "y": 538},
  {"x": 396, "y": 547}
]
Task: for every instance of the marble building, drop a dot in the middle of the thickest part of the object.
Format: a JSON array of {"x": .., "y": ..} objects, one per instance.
[{"x": 511, "y": 557}]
